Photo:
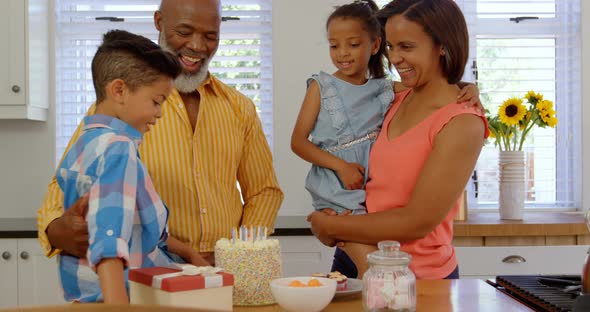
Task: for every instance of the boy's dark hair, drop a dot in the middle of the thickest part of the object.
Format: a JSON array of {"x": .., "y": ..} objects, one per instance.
[
  {"x": 135, "y": 59},
  {"x": 444, "y": 22},
  {"x": 364, "y": 11}
]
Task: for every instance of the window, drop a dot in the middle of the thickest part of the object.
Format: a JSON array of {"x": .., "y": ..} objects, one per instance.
[
  {"x": 510, "y": 55},
  {"x": 243, "y": 60}
]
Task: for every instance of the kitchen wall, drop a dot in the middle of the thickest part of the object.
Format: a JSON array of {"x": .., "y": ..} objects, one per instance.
[
  {"x": 27, "y": 157},
  {"x": 299, "y": 48}
]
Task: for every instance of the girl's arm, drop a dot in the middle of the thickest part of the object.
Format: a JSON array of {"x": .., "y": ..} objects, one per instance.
[
  {"x": 112, "y": 281},
  {"x": 440, "y": 183},
  {"x": 186, "y": 252},
  {"x": 352, "y": 175}
]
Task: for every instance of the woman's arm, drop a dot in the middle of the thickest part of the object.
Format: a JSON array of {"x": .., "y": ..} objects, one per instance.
[
  {"x": 112, "y": 281},
  {"x": 443, "y": 178},
  {"x": 352, "y": 175}
]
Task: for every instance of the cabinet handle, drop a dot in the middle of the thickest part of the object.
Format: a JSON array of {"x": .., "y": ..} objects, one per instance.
[
  {"x": 6, "y": 255},
  {"x": 15, "y": 89},
  {"x": 514, "y": 259},
  {"x": 24, "y": 255}
]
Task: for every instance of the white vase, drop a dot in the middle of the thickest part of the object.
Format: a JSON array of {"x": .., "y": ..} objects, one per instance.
[{"x": 511, "y": 170}]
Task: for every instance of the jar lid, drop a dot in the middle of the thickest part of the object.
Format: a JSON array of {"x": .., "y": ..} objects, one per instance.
[{"x": 389, "y": 254}]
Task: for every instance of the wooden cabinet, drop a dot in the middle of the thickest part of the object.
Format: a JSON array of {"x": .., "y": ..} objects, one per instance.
[
  {"x": 541, "y": 243},
  {"x": 24, "y": 59},
  {"x": 28, "y": 277}
]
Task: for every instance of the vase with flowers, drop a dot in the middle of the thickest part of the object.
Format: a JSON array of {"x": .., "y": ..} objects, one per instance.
[{"x": 509, "y": 128}]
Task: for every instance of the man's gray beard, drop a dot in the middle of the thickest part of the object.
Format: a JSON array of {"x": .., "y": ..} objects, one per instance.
[{"x": 186, "y": 82}]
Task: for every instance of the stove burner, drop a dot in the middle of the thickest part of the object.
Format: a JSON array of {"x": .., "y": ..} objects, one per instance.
[{"x": 543, "y": 292}]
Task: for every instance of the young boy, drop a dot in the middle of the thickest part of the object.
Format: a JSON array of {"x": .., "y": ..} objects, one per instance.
[{"x": 126, "y": 218}]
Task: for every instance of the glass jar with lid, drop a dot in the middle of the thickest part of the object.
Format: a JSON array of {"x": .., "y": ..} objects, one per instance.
[{"x": 389, "y": 284}]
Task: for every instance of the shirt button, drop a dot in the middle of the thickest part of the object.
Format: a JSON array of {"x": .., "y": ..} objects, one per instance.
[
  {"x": 203, "y": 245},
  {"x": 180, "y": 105},
  {"x": 204, "y": 210},
  {"x": 198, "y": 175},
  {"x": 110, "y": 233}
]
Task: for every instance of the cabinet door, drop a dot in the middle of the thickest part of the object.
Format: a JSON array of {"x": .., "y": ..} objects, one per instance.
[
  {"x": 303, "y": 255},
  {"x": 8, "y": 275},
  {"x": 38, "y": 282},
  {"x": 515, "y": 260},
  {"x": 13, "y": 52}
]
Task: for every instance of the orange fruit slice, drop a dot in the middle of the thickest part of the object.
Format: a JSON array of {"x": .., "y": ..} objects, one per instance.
[
  {"x": 314, "y": 283},
  {"x": 296, "y": 283}
]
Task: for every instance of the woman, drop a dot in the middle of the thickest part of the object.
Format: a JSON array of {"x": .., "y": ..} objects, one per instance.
[{"x": 427, "y": 147}]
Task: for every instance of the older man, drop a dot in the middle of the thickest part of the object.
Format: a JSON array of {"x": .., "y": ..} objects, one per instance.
[{"x": 208, "y": 138}]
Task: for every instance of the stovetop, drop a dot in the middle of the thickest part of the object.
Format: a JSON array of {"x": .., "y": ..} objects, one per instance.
[{"x": 542, "y": 292}]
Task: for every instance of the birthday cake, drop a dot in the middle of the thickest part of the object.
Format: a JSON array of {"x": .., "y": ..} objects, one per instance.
[{"x": 254, "y": 262}]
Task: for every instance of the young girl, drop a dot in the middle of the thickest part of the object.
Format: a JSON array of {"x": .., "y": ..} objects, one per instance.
[{"x": 343, "y": 113}]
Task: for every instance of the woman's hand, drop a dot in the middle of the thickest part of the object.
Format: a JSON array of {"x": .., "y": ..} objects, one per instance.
[
  {"x": 470, "y": 93},
  {"x": 319, "y": 222},
  {"x": 352, "y": 175}
]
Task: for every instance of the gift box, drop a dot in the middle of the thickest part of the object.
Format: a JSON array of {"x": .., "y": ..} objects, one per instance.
[{"x": 181, "y": 288}]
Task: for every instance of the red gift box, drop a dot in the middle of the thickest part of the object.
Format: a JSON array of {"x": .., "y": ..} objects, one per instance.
[
  {"x": 171, "y": 287},
  {"x": 172, "y": 280}
]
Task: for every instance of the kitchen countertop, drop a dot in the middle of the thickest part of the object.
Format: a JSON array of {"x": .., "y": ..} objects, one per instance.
[
  {"x": 27, "y": 227},
  {"x": 18, "y": 228},
  {"x": 533, "y": 224},
  {"x": 480, "y": 224},
  {"x": 442, "y": 295}
]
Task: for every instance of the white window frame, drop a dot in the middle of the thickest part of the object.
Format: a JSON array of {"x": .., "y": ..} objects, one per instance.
[{"x": 568, "y": 90}]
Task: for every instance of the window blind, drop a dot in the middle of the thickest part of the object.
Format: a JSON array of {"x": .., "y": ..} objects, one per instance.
[
  {"x": 243, "y": 60},
  {"x": 517, "y": 46}
]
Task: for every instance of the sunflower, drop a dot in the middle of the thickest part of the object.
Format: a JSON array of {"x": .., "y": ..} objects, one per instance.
[
  {"x": 547, "y": 115},
  {"x": 512, "y": 111},
  {"x": 533, "y": 97},
  {"x": 552, "y": 122},
  {"x": 544, "y": 105}
]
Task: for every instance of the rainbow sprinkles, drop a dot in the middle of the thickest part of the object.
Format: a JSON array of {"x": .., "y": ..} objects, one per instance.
[{"x": 254, "y": 260}]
